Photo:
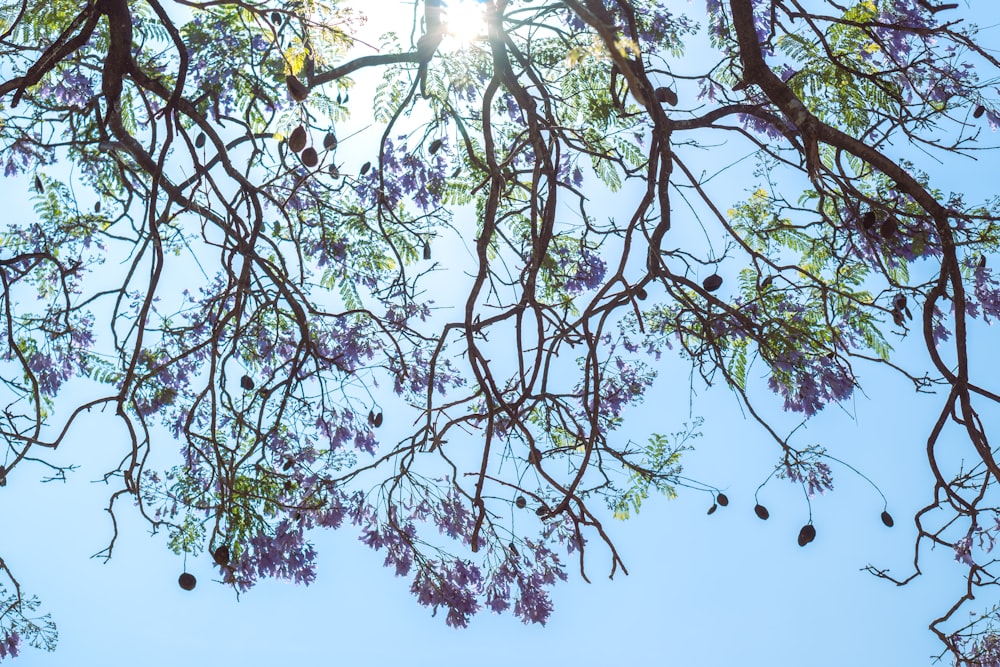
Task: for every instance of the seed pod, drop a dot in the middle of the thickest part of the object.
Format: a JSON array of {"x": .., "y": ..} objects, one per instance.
[
  {"x": 666, "y": 95},
  {"x": 309, "y": 157},
  {"x": 334, "y": 172},
  {"x": 38, "y": 185},
  {"x": 761, "y": 512},
  {"x": 887, "y": 519},
  {"x": 521, "y": 502},
  {"x": 534, "y": 457},
  {"x": 97, "y": 206},
  {"x": 889, "y": 228},
  {"x": 187, "y": 581},
  {"x": 330, "y": 141},
  {"x": 297, "y": 139},
  {"x": 276, "y": 18},
  {"x": 221, "y": 555},
  {"x": 868, "y": 221},
  {"x": 365, "y": 167},
  {"x": 513, "y": 550},
  {"x": 427, "y": 250},
  {"x": 807, "y": 534},
  {"x": 247, "y": 383},
  {"x": 377, "y": 421},
  {"x": 722, "y": 499},
  {"x": 288, "y": 464},
  {"x": 3, "y": 476},
  {"x": 296, "y": 88},
  {"x": 899, "y": 302},
  {"x": 978, "y": 113},
  {"x": 199, "y": 141},
  {"x": 371, "y": 417},
  {"x": 641, "y": 294},
  {"x": 711, "y": 510},
  {"x": 435, "y": 146},
  {"x": 712, "y": 283},
  {"x": 542, "y": 510}
]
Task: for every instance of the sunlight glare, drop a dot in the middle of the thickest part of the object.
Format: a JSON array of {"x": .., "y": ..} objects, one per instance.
[{"x": 465, "y": 22}]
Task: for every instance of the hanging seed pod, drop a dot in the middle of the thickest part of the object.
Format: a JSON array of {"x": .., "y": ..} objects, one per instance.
[
  {"x": 711, "y": 510},
  {"x": 978, "y": 113},
  {"x": 371, "y": 417},
  {"x": 542, "y": 510},
  {"x": 458, "y": 170},
  {"x": 3, "y": 476},
  {"x": 296, "y": 88},
  {"x": 641, "y": 294},
  {"x": 334, "y": 172},
  {"x": 435, "y": 146},
  {"x": 722, "y": 499},
  {"x": 275, "y": 18},
  {"x": 309, "y": 157},
  {"x": 427, "y": 250},
  {"x": 868, "y": 221},
  {"x": 330, "y": 141},
  {"x": 221, "y": 555},
  {"x": 187, "y": 581},
  {"x": 889, "y": 228},
  {"x": 377, "y": 421},
  {"x": 288, "y": 464},
  {"x": 365, "y": 167},
  {"x": 513, "y": 550},
  {"x": 297, "y": 139},
  {"x": 38, "y": 185},
  {"x": 521, "y": 502},
  {"x": 289, "y": 486},
  {"x": 982, "y": 262},
  {"x": 534, "y": 457},
  {"x": 666, "y": 95},
  {"x": 887, "y": 519},
  {"x": 199, "y": 141},
  {"x": 807, "y": 534},
  {"x": 97, "y": 206},
  {"x": 247, "y": 383},
  {"x": 712, "y": 283},
  {"x": 761, "y": 512}
]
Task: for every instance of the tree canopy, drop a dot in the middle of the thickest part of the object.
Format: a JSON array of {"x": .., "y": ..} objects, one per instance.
[{"x": 329, "y": 273}]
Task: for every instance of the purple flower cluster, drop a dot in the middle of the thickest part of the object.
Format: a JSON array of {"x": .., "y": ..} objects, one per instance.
[
  {"x": 815, "y": 475},
  {"x": 583, "y": 269},
  {"x": 67, "y": 87},
  {"x": 987, "y": 293},
  {"x": 10, "y": 646},
  {"x": 809, "y": 383},
  {"x": 283, "y": 554}
]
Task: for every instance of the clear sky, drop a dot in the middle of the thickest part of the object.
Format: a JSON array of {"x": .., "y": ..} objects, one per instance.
[{"x": 709, "y": 591}]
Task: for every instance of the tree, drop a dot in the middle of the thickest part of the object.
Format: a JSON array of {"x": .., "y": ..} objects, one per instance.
[{"x": 211, "y": 265}]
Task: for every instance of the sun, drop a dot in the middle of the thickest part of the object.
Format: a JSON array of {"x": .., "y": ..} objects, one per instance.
[{"x": 465, "y": 22}]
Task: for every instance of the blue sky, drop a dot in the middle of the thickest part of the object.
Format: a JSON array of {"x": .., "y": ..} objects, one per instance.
[{"x": 712, "y": 591}]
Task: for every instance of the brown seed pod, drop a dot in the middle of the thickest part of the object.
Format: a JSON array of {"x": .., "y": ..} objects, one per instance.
[
  {"x": 288, "y": 464},
  {"x": 521, "y": 502},
  {"x": 221, "y": 555},
  {"x": 38, "y": 185},
  {"x": 296, "y": 88},
  {"x": 371, "y": 417},
  {"x": 247, "y": 383},
  {"x": 887, "y": 519},
  {"x": 868, "y": 221},
  {"x": 722, "y": 499},
  {"x": 761, "y": 512},
  {"x": 275, "y": 18},
  {"x": 889, "y": 228},
  {"x": 187, "y": 581},
  {"x": 542, "y": 510},
  {"x": 666, "y": 95},
  {"x": 365, "y": 167},
  {"x": 711, "y": 510},
  {"x": 330, "y": 141},
  {"x": 297, "y": 139},
  {"x": 377, "y": 421},
  {"x": 712, "y": 283},
  {"x": 427, "y": 250},
  {"x": 978, "y": 113},
  {"x": 435, "y": 146},
  {"x": 199, "y": 141},
  {"x": 309, "y": 157},
  {"x": 97, "y": 207},
  {"x": 807, "y": 534},
  {"x": 641, "y": 294},
  {"x": 534, "y": 457}
]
